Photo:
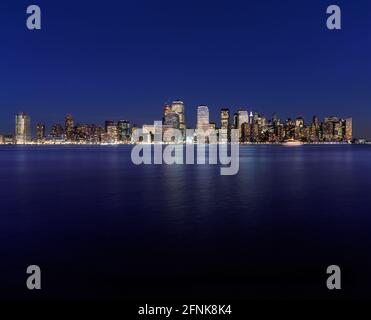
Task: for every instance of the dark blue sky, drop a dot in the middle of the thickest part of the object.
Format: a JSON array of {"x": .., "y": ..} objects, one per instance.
[{"x": 124, "y": 59}]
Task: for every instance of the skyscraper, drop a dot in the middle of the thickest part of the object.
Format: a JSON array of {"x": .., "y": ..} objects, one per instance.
[
  {"x": 171, "y": 120},
  {"x": 224, "y": 126},
  {"x": 348, "y": 129},
  {"x": 40, "y": 131},
  {"x": 224, "y": 119},
  {"x": 167, "y": 110},
  {"x": 69, "y": 128},
  {"x": 299, "y": 126},
  {"x": 203, "y": 118},
  {"x": 315, "y": 130},
  {"x": 111, "y": 132},
  {"x": 235, "y": 120},
  {"x": 22, "y": 128},
  {"x": 329, "y": 129},
  {"x": 243, "y": 117},
  {"x": 124, "y": 130},
  {"x": 178, "y": 107}
]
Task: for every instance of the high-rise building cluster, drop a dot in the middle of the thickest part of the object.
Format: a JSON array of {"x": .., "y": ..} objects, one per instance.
[{"x": 252, "y": 128}]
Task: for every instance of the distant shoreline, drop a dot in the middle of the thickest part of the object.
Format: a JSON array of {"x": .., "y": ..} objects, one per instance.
[{"x": 165, "y": 144}]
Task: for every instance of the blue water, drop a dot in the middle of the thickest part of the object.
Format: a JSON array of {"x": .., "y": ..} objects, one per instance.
[{"x": 101, "y": 227}]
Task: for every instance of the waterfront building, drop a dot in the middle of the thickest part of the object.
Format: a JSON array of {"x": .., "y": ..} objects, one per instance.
[
  {"x": 243, "y": 117},
  {"x": 22, "y": 128},
  {"x": 245, "y": 132},
  {"x": 124, "y": 130},
  {"x": 348, "y": 129},
  {"x": 112, "y": 133},
  {"x": 235, "y": 120},
  {"x": 203, "y": 122},
  {"x": 40, "y": 132},
  {"x": 224, "y": 132},
  {"x": 56, "y": 131},
  {"x": 171, "y": 120},
  {"x": 178, "y": 107},
  {"x": 108, "y": 123},
  {"x": 69, "y": 128},
  {"x": 299, "y": 128},
  {"x": 329, "y": 129},
  {"x": 9, "y": 139},
  {"x": 224, "y": 119}
]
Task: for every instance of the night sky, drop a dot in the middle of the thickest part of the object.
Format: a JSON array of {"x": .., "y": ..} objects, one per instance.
[{"x": 124, "y": 59}]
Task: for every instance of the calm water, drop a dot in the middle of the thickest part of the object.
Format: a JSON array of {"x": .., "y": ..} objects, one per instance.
[{"x": 101, "y": 227}]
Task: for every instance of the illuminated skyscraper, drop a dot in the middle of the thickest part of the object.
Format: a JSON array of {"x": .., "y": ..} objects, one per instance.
[
  {"x": 235, "y": 120},
  {"x": 299, "y": 126},
  {"x": 348, "y": 129},
  {"x": 69, "y": 128},
  {"x": 315, "y": 130},
  {"x": 111, "y": 132},
  {"x": 167, "y": 110},
  {"x": 22, "y": 128},
  {"x": 243, "y": 117},
  {"x": 329, "y": 129},
  {"x": 171, "y": 120},
  {"x": 178, "y": 107},
  {"x": 124, "y": 130},
  {"x": 224, "y": 119},
  {"x": 224, "y": 126},
  {"x": 203, "y": 118},
  {"x": 245, "y": 132},
  {"x": 339, "y": 133},
  {"x": 82, "y": 133},
  {"x": 40, "y": 131}
]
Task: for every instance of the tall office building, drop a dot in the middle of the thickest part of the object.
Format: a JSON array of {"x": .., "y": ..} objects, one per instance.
[
  {"x": 178, "y": 107},
  {"x": 111, "y": 132},
  {"x": 167, "y": 109},
  {"x": 224, "y": 119},
  {"x": 349, "y": 129},
  {"x": 69, "y": 128},
  {"x": 315, "y": 130},
  {"x": 329, "y": 129},
  {"x": 40, "y": 131},
  {"x": 224, "y": 132},
  {"x": 299, "y": 128},
  {"x": 243, "y": 117},
  {"x": 245, "y": 132},
  {"x": 203, "y": 118},
  {"x": 171, "y": 120},
  {"x": 22, "y": 128},
  {"x": 124, "y": 130},
  {"x": 235, "y": 120},
  {"x": 339, "y": 133}
]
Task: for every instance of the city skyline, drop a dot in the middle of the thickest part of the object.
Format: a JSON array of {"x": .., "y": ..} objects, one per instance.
[
  {"x": 252, "y": 126},
  {"x": 265, "y": 56}
]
